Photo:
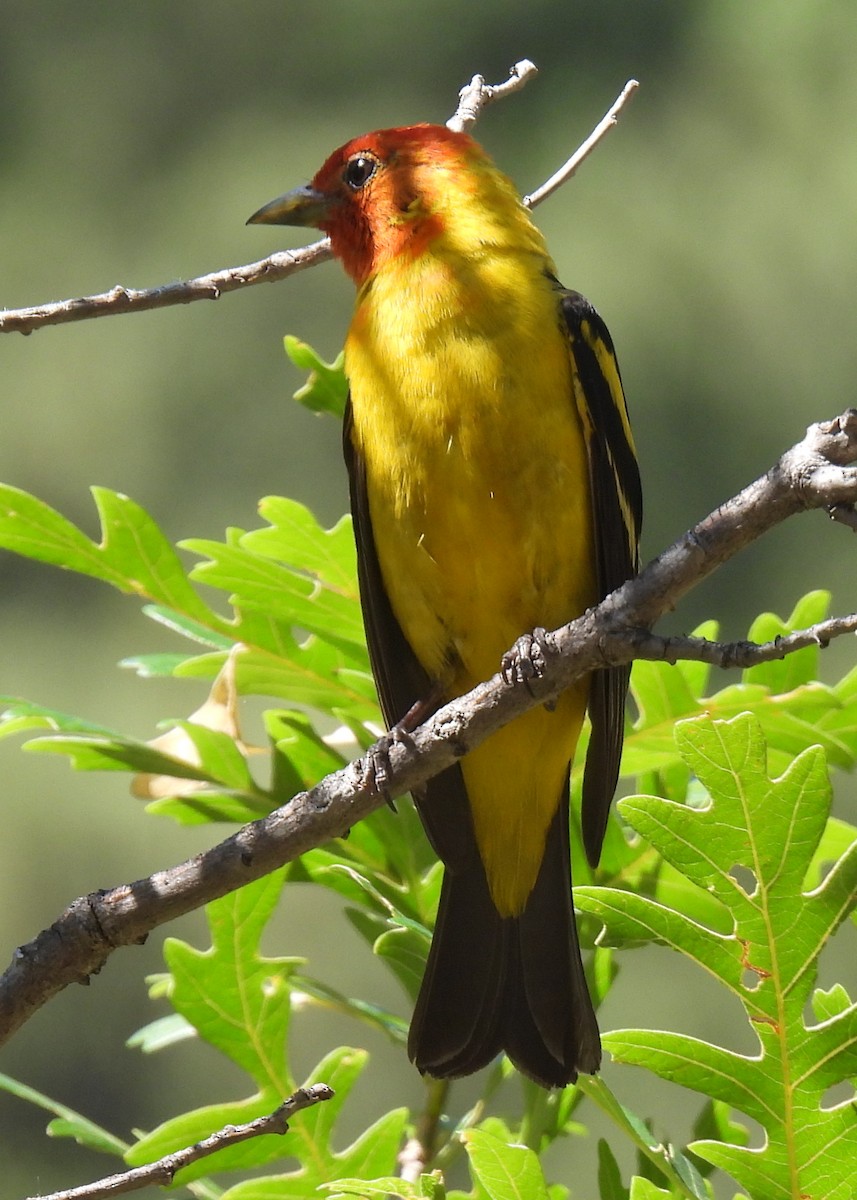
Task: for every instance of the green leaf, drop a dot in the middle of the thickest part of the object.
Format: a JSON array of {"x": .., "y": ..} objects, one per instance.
[
  {"x": 675, "y": 1167},
  {"x": 829, "y": 1004},
  {"x": 93, "y": 748},
  {"x": 644, "y": 1189},
  {"x": 292, "y": 578},
  {"x": 21, "y": 716},
  {"x": 133, "y": 554},
  {"x": 161, "y": 1033},
  {"x": 280, "y": 592},
  {"x": 194, "y": 630},
  {"x": 370, "y": 1014},
  {"x": 715, "y": 1121},
  {"x": 301, "y": 757},
  {"x": 404, "y": 948},
  {"x": 610, "y": 1186},
  {"x": 67, "y": 1122},
  {"x": 326, "y": 390},
  {"x": 294, "y": 571},
  {"x": 236, "y": 998},
  {"x": 390, "y": 849},
  {"x": 770, "y": 830},
  {"x": 219, "y": 756},
  {"x": 371, "y": 1155},
  {"x": 391, "y": 1185},
  {"x": 154, "y": 666},
  {"x": 239, "y": 1002},
  {"x": 209, "y": 806},
  {"x": 505, "y": 1172},
  {"x": 795, "y": 711},
  {"x": 632, "y": 920},
  {"x": 295, "y": 537},
  {"x": 312, "y": 672},
  {"x": 794, "y": 670}
]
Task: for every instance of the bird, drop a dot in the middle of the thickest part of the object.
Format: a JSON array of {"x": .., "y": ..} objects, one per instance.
[{"x": 495, "y": 493}]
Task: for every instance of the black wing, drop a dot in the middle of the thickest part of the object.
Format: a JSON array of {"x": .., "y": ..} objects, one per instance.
[
  {"x": 617, "y": 510},
  {"x": 400, "y": 678}
]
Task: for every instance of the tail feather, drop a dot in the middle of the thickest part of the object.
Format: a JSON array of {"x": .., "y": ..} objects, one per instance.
[
  {"x": 513, "y": 984},
  {"x": 455, "y": 1028},
  {"x": 551, "y": 967}
]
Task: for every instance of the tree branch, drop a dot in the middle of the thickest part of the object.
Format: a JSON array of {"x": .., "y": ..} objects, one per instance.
[
  {"x": 609, "y": 121},
  {"x": 419, "y": 1150},
  {"x": 737, "y": 654},
  {"x": 473, "y": 98},
  {"x": 815, "y": 473},
  {"x": 127, "y": 300},
  {"x": 165, "y": 1169},
  {"x": 477, "y": 95}
]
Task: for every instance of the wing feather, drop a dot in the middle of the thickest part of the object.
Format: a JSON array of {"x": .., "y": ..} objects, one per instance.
[
  {"x": 400, "y": 678},
  {"x": 617, "y": 510}
]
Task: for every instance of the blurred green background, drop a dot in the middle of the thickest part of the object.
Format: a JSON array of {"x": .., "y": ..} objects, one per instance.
[{"x": 715, "y": 230}]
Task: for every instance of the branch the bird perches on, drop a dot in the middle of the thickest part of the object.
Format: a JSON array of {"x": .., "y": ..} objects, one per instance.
[{"x": 819, "y": 472}]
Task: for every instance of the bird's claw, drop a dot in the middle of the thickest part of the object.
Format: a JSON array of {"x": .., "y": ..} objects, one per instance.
[
  {"x": 526, "y": 660},
  {"x": 375, "y": 764}
]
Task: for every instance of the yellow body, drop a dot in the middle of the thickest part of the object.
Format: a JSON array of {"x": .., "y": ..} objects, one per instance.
[
  {"x": 494, "y": 489},
  {"x": 478, "y": 491}
]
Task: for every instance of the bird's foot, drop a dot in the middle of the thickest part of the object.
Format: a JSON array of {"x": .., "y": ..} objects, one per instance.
[
  {"x": 375, "y": 764},
  {"x": 526, "y": 660}
]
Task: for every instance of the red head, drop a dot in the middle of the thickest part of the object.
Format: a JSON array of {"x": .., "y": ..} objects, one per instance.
[{"x": 383, "y": 194}]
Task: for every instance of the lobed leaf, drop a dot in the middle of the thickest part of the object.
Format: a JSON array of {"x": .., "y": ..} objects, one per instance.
[
  {"x": 326, "y": 389},
  {"x": 765, "y": 832},
  {"x": 369, "y": 1156},
  {"x": 67, "y": 1121},
  {"x": 505, "y": 1172}
]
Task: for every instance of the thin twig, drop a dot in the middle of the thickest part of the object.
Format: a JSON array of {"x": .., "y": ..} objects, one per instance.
[
  {"x": 478, "y": 94},
  {"x": 162, "y": 1172},
  {"x": 609, "y": 121},
  {"x": 418, "y": 1152},
  {"x": 815, "y": 473},
  {"x": 728, "y": 655},
  {"x": 205, "y": 287}
]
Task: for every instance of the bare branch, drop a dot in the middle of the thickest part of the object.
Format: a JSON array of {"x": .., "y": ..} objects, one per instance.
[
  {"x": 815, "y": 473},
  {"x": 478, "y": 94},
  {"x": 419, "y": 1150},
  {"x": 738, "y": 654},
  {"x": 165, "y": 1169},
  {"x": 473, "y": 98},
  {"x": 609, "y": 121},
  {"x": 127, "y": 300}
]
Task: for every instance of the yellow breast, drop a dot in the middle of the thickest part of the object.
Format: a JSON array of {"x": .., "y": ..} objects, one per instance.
[{"x": 479, "y": 499}]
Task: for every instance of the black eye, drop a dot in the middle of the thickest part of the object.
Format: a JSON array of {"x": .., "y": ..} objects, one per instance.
[{"x": 359, "y": 170}]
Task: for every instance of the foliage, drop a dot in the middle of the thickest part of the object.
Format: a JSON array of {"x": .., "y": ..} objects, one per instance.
[
  {"x": 727, "y": 855},
  {"x": 771, "y": 829}
]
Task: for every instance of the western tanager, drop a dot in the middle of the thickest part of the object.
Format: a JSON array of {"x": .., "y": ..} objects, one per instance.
[{"x": 494, "y": 491}]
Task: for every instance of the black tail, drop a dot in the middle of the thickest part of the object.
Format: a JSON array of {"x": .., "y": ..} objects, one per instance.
[{"x": 514, "y": 984}]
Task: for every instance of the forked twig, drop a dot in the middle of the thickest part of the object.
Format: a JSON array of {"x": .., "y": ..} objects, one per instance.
[
  {"x": 473, "y": 98},
  {"x": 163, "y": 1172}
]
